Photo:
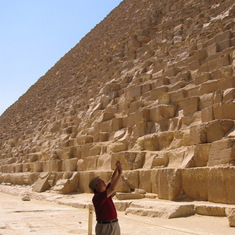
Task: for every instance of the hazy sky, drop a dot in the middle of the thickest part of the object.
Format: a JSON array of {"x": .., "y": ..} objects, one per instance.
[{"x": 35, "y": 34}]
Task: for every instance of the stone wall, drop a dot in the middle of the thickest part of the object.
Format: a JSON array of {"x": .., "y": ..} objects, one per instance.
[{"x": 152, "y": 85}]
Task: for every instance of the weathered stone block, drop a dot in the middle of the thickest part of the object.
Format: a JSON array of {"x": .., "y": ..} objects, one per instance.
[
  {"x": 208, "y": 87},
  {"x": 144, "y": 176},
  {"x": 207, "y": 114},
  {"x": 129, "y": 160},
  {"x": 162, "y": 112},
  {"x": 69, "y": 164},
  {"x": 201, "y": 78},
  {"x": 178, "y": 96},
  {"x": 169, "y": 184},
  {"x": 190, "y": 105},
  {"x": 229, "y": 95},
  {"x": 198, "y": 134},
  {"x": 41, "y": 185},
  {"x": 133, "y": 92},
  {"x": 157, "y": 92},
  {"x": 195, "y": 183},
  {"x": 83, "y": 181},
  {"x": 217, "y": 129},
  {"x": 55, "y": 166},
  {"x": 222, "y": 152},
  {"x": 221, "y": 188},
  {"x": 117, "y": 124},
  {"x": 201, "y": 155},
  {"x": 224, "y": 111}
]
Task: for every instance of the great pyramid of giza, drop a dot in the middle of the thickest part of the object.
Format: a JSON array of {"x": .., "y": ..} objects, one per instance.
[{"x": 152, "y": 85}]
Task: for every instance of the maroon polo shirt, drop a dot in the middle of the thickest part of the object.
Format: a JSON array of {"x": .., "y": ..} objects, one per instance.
[{"x": 104, "y": 206}]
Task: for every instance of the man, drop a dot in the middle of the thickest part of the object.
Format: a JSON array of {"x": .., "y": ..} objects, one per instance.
[{"x": 106, "y": 214}]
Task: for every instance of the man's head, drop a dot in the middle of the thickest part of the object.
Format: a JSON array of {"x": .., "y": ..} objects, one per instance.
[{"x": 97, "y": 185}]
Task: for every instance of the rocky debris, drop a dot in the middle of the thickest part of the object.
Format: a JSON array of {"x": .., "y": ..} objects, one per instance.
[
  {"x": 231, "y": 217},
  {"x": 67, "y": 185},
  {"x": 161, "y": 209},
  {"x": 42, "y": 184}
]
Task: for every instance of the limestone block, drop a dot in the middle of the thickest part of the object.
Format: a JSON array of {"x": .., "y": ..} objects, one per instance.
[
  {"x": 66, "y": 186},
  {"x": 198, "y": 134},
  {"x": 88, "y": 163},
  {"x": 140, "y": 116},
  {"x": 172, "y": 71},
  {"x": 217, "y": 129},
  {"x": 83, "y": 139},
  {"x": 207, "y": 114},
  {"x": 212, "y": 49},
  {"x": 184, "y": 75},
  {"x": 178, "y": 96},
  {"x": 208, "y": 87},
  {"x": 103, "y": 136},
  {"x": 229, "y": 95},
  {"x": 147, "y": 142},
  {"x": 175, "y": 157},
  {"x": 231, "y": 217},
  {"x": 195, "y": 183},
  {"x": 165, "y": 139},
  {"x": 188, "y": 160},
  {"x": 144, "y": 176},
  {"x": 94, "y": 150},
  {"x": 18, "y": 168},
  {"x": 41, "y": 185},
  {"x": 154, "y": 180},
  {"x": 69, "y": 164},
  {"x": 158, "y": 92},
  {"x": 129, "y": 160},
  {"x": 221, "y": 186},
  {"x": 119, "y": 134},
  {"x": 210, "y": 210},
  {"x": 117, "y": 124},
  {"x": 84, "y": 150},
  {"x": 194, "y": 65},
  {"x": 83, "y": 181},
  {"x": 36, "y": 166},
  {"x": 106, "y": 117},
  {"x": 117, "y": 147},
  {"x": 162, "y": 112},
  {"x": 45, "y": 166},
  {"x": 64, "y": 153},
  {"x": 222, "y": 152},
  {"x": 202, "y": 77},
  {"x": 81, "y": 165},
  {"x": 201, "y": 155},
  {"x": 226, "y": 82},
  {"x": 169, "y": 184},
  {"x": 26, "y": 167},
  {"x": 133, "y": 177},
  {"x": 190, "y": 105},
  {"x": 128, "y": 196},
  {"x": 55, "y": 165},
  {"x": 160, "y": 209},
  {"x": 224, "y": 111},
  {"x": 104, "y": 162},
  {"x": 133, "y": 92},
  {"x": 224, "y": 44},
  {"x": 103, "y": 127}
]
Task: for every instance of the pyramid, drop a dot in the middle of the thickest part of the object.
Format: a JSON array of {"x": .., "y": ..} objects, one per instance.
[{"x": 152, "y": 85}]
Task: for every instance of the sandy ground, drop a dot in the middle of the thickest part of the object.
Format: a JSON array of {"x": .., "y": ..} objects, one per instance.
[{"x": 47, "y": 215}]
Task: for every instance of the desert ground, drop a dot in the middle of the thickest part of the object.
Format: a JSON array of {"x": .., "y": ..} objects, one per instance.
[{"x": 56, "y": 214}]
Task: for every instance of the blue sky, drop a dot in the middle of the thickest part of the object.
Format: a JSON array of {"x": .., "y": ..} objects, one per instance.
[{"x": 35, "y": 34}]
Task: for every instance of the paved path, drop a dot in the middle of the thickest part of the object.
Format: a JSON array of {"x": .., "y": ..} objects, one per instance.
[{"x": 41, "y": 218}]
